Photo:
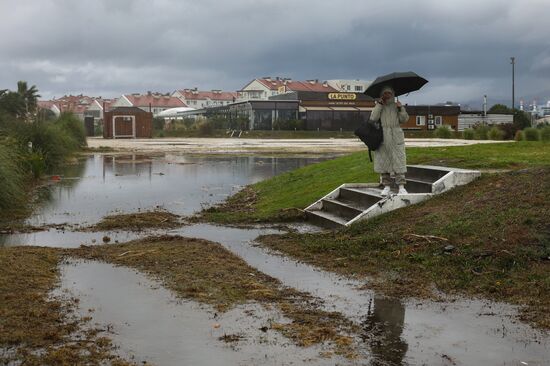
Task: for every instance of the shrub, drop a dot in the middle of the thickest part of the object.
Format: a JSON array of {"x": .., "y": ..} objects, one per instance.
[
  {"x": 35, "y": 162},
  {"x": 531, "y": 134},
  {"x": 482, "y": 132},
  {"x": 509, "y": 130},
  {"x": 205, "y": 128},
  {"x": 158, "y": 123},
  {"x": 49, "y": 139},
  {"x": 519, "y": 136},
  {"x": 443, "y": 132},
  {"x": 468, "y": 134},
  {"x": 496, "y": 133},
  {"x": 545, "y": 133},
  {"x": 11, "y": 176},
  {"x": 69, "y": 124},
  {"x": 98, "y": 129}
]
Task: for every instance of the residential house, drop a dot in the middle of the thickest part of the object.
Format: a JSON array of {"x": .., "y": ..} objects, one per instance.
[
  {"x": 429, "y": 117},
  {"x": 49, "y": 105},
  {"x": 264, "y": 88},
  {"x": 98, "y": 107},
  {"x": 77, "y": 104},
  {"x": 199, "y": 99},
  {"x": 150, "y": 102}
]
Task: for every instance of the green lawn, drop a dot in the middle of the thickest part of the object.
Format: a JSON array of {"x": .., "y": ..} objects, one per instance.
[{"x": 274, "y": 199}]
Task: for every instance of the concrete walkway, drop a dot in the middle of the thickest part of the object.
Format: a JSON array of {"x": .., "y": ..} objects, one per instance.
[{"x": 236, "y": 145}]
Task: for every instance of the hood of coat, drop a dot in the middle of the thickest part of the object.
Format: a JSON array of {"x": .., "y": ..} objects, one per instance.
[{"x": 390, "y": 89}]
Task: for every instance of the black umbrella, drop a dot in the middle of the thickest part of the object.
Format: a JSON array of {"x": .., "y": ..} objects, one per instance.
[{"x": 400, "y": 82}]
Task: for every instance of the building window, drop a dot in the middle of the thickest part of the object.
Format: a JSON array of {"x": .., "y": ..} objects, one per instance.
[
  {"x": 348, "y": 87},
  {"x": 438, "y": 120},
  {"x": 420, "y": 120},
  {"x": 358, "y": 88}
]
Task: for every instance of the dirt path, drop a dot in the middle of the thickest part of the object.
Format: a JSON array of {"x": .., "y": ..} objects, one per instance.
[{"x": 245, "y": 146}]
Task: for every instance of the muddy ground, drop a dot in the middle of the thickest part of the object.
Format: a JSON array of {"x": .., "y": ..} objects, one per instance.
[{"x": 235, "y": 145}]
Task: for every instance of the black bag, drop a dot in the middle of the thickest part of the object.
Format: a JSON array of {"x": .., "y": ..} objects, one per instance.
[{"x": 371, "y": 134}]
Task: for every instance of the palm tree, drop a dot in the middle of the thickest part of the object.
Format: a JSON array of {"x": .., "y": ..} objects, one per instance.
[{"x": 30, "y": 96}]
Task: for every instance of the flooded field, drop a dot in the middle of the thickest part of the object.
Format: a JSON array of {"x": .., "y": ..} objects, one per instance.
[{"x": 150, "y": 323}]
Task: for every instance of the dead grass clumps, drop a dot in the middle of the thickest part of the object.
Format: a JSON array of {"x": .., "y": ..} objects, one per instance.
[
  {"x": 36, "y": 329},
  {"x": 157, "y": 219}
]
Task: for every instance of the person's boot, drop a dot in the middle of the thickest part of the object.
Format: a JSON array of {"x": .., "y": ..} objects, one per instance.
[
  {"x": 402, "y": 190},
  {"x": 386, "y": 191}
]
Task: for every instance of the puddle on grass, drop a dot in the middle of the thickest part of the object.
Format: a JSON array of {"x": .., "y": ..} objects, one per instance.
[
  {"x": 150, "y": 324},
  {"x": 463, "y": 332},
  {"x": 106, "y": 184}
]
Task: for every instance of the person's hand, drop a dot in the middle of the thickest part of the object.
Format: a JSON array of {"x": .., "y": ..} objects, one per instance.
[
  {"x": 398, "y": 104},
  {"x": 380, "y": 101}
]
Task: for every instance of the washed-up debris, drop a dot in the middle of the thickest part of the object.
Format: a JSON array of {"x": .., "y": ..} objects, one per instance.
[
  {"x": 449, "y": 248},
  {"x": 157, "y": 219},
  {"x": 231, "y": 338}
]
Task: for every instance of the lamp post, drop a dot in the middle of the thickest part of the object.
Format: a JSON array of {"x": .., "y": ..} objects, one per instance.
[{"x": 513, "y": 62}]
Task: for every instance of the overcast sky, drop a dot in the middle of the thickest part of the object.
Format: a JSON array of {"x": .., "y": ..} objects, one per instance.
[{"x": 110, "y": 47}]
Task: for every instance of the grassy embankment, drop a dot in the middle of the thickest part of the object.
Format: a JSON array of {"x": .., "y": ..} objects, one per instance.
[
  {"x": 497, "y": 227},
  {"x": 278, "y": 199}
]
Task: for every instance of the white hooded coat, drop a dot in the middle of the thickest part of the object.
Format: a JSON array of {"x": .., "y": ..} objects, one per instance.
[{"x": 390, "y": 156}]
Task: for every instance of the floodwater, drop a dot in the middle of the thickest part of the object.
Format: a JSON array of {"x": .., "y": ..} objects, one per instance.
[
  {"x": 150, "y": 324},
  {"x": 182, "y": 184}
]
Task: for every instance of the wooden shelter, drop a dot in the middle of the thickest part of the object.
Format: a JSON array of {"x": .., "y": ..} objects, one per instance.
[{"x": 127, "y": 122}]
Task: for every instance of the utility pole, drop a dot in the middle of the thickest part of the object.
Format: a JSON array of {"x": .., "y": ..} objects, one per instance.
[{"x": 513, "y": 62}]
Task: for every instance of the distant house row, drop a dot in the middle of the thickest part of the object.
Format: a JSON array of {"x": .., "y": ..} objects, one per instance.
[
  {"x": 264, "y": 103},
  {"x": 156, "y": 103}
]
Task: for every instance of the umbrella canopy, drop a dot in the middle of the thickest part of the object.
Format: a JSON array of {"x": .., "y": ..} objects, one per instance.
[{"x": 400, "y": 82}]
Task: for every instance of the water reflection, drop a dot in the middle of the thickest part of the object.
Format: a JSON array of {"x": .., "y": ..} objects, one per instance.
[
  {"x": 383, "y": 329},
  {"x": 106, "y": 184}
]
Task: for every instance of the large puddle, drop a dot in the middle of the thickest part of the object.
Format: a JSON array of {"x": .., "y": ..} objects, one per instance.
[
  {"x": 107, "y": 184},
  {"x": 152, "y": 325}
]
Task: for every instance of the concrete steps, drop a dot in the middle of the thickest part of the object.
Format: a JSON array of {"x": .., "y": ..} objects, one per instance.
[{"x": 352, "y": 202}]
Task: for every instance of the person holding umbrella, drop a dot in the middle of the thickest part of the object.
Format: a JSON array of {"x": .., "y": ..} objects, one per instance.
[{"x": 390, "y": 158}]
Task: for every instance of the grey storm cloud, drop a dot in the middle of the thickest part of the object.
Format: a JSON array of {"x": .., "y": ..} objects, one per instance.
[{"x": 119, "y": 46}]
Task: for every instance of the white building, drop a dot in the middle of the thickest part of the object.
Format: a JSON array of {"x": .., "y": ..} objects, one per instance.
[
  {"x": 263, "y": 88},
  {"x": 468, "y": 119},
  {"x": 349, "y": 86},
  {"x": 198, "y": 99},
  {"x": 150, "y": 102},
  {"x": 98, "y": 107}
]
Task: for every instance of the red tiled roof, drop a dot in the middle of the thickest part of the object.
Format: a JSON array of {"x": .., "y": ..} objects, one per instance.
[
  {"x": 70, "y": 103},
  {"x": 189, "y": 94},
  {"x": 105, "y": 103},
  {"x": 314, "y": 85},
  {"x": 155, "y": 101},
  {"x": 45, "y": 104}
]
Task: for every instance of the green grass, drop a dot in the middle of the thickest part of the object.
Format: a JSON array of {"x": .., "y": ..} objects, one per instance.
[
  {"x": 497, "y": 227},
  {"x": 12, "y": 177},
  {"x": 273, "y": 199}
]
